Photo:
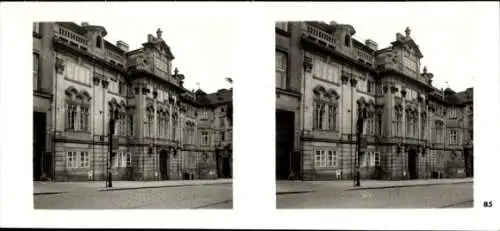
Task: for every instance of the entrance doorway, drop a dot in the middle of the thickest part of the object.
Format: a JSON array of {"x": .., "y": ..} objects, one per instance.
[
  {"x": 469, "y": 164},
  {"x": 41, "y": 165},
  {"x": 412, "y": 164},
  {"x": 226, "y": 167},
  {"x": 164, "y": 165},
  {"x": 284, "y": 144}
]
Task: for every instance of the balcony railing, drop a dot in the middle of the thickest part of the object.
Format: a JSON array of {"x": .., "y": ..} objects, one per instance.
[
  {"x": 114, "y": 56},
  {"x": 73, "y": 38},
  {"x": 363, "y": 55},
  {"x": 320, "y": 35}
]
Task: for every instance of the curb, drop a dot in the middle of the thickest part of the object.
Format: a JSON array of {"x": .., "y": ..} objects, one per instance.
[
  {"x": 47, "y": 193},
  {"x": 131, "y": 188},
  {"x": 404, "y": 186},
  {"x": 294, "y": 192},
  {"x": 160, "y": 186}
]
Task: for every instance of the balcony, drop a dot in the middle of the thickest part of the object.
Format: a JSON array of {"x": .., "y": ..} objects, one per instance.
[
  {"x": 363, "y": 56},
  {"x": 320, "y": 36},
  {"x": 72, "y": 38},
  {"x": 112, "y": 56}
]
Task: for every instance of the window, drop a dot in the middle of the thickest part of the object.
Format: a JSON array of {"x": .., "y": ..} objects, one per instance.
[
  {"x": 129, "y": 159},
  {"x": 319, "y": 110},
  {"x": 113, "y": 161},
  {"x": 376, "y": 159},
  {"x": 150, "y": 124},
  {"x": 131, "y": 125},
  {"x": 363, "y": 159},
  {"x": 125, "y": 159},
  {"x": 70, "y": 116},
  {"x": 423, "y": 123},
  {"x": 222, "y": 135},
  {"x": 123, "y": 125},
  {"x": 415, "y": 127},
  {"x": 397, "y": 122},
  {"x": 332, "y": 117},
  {"x": 204, "y": 137},
  {"x": 174, "y": 128},
  {"x": 332, "y": 158},
  {"x": 379, "y": 124},
  {"x": 282, "y": 26},
  {"x": 167, "y": 121},
  {"x": 319, "y": 68},
  {"x": 84, "y": 160},
  {"x": 325, "y": 158},
  {"x": 159, "y": 126},
  {"x": 453, "y": 137},
  {"x": 71, "y": 161},
  {"x": 222, "y": 120},
  {"x": 347, "y": 40},
  {"x": 370, "y": 87},
  {"x": 84, "y": 118},
  {"x": 98, "y": 42},
  {"x": 36, "y": 70},
  {"x": 281, "y": 69}
]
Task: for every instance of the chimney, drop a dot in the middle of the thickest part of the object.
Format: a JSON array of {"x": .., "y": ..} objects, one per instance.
[
  {"x": 371, "y": 44},
  {"x": 122, "y": 45},
  {"x": 399, "y": 37},
  {"x": 150, "y": 38},
  {"x": 85, "y": 24},
  {"x": 332, "y": 23}
]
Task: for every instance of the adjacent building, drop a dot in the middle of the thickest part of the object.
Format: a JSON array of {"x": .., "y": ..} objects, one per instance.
[
  {"x": 325, "y": 78},
  {"x": 163, "y": 131}
]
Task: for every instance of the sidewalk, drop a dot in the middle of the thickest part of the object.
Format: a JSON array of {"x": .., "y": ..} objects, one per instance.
[
  {"x": 41, "y": 188},
  {"x": 288, "y": 187}
]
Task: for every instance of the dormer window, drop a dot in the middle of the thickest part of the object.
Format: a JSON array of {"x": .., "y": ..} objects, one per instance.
[
  {"x": 98, "y": 42},
  {"x": 347, "y": 40}
]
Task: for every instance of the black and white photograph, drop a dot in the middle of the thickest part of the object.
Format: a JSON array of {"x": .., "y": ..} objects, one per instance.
[
  {"x": 130, "y": 130},
  {"x": 371, "y": 123},
  {"x": 165, "y": 115}
]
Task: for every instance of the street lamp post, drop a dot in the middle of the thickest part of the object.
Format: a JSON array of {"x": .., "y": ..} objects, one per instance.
[
  {"x": 112, "y": 121},
  {"x": 360, "y": 121}
]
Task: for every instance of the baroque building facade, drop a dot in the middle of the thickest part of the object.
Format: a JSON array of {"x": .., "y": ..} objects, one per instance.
[
  {"x": 163, "y": 131},
  {"x": 325, "y": 78}
]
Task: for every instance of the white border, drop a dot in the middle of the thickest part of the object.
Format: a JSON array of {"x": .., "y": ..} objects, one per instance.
[{"x": 253, "y": 67}]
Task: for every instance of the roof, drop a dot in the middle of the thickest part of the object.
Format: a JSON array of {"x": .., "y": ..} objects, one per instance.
[
  {"x": 460, "y": 98},
  {"x": 222, "y": 96},
  {"x": 112, "y": 47}
]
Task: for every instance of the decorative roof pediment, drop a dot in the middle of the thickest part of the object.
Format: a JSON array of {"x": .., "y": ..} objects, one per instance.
[{"x": 159, "y": 44}]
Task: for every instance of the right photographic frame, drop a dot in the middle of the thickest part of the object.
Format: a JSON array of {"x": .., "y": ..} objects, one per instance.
[{"x": 360, "y": 125}]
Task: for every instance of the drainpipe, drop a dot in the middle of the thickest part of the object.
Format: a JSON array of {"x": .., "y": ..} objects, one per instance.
[
  {"x": 350, "y": 138},
  {"x": 301, "y": 170},
  {"x": 93, "y": 120},
  {"x": 53, "y": 143}
]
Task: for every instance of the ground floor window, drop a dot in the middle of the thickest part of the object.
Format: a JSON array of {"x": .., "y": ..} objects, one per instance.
[
  {"x": 369, "y": 159},
  {"x": 71, "y": 160},
  {"x": 84, "y": 160},
  {"x": 77, "y": 159},
  {"x": 125, "y": 159},
  {"x": 325, "y": 158}
]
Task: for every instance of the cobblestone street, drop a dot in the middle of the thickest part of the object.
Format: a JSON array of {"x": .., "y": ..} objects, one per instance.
[
  {"x": 450, "y": 193},
  {"x": 192, "y": 196}
]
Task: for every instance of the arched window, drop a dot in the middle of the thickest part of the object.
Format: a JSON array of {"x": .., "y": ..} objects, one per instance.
[
  {"x": 98, "y": 41},
  {"x": 174, "y": 126},
  {"x": 167, "y": 122},
  {"x": 325, "y": 106},
  {"x": 347, "y": 40}
]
